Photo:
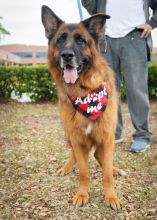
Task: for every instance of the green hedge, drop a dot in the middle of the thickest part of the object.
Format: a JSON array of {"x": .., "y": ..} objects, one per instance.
[
  {"x": 152, "y": 81},
  {"x": 37, "y": 81},
  {"x": 34, "y": 80}
]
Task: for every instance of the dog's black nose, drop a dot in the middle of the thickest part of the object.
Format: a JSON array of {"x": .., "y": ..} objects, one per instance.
[{"x": 67, "y": 54}]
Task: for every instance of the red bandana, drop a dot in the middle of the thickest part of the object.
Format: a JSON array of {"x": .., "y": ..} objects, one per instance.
[{"x": 94, "y": 104}]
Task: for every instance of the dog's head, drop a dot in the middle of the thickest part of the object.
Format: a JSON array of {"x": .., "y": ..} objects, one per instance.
[{"x": 71, "y": 43}]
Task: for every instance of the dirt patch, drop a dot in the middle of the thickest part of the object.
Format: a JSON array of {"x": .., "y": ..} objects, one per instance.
[{"x": 32, "y": 148}]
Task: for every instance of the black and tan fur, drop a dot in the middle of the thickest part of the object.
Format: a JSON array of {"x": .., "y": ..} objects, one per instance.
[{"x": 76, "y": 45}]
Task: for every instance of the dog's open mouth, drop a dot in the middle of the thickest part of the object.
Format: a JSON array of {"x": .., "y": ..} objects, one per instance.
[{"x": 71, "y": 74}]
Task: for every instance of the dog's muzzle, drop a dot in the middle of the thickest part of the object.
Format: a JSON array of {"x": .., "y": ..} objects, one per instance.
[{"x": 69, "y": 65}]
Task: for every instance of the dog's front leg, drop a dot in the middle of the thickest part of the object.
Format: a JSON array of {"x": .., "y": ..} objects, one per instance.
[
  {"x": 68, "y": 165},
  {"x": 111, "y": 198},
  {"x": 81, "y": 156}
]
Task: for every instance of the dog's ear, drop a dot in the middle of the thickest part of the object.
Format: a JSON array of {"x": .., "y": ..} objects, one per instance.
[
  {"x": 50, "y": 21},
  {"x": 95, "y": 24}
]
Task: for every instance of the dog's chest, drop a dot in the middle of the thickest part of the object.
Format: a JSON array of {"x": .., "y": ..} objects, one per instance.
[{"x": 88, "y": 129}]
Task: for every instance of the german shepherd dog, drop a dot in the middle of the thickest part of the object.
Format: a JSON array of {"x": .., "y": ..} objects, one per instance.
[{"x": 87, "y": 98}]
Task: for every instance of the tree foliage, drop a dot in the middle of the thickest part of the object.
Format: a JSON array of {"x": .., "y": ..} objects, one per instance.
[{"x": 3, "y": 31}]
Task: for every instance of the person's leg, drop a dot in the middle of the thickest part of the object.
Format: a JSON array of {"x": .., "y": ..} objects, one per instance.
[
  {"x": 110, "y": 51},
  {"x": 134, "y": 66}
]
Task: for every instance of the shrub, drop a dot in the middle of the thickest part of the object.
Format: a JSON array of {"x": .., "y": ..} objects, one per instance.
[
  {"x": 152, "y": 81},
  {"x": 34, "y": 80}
]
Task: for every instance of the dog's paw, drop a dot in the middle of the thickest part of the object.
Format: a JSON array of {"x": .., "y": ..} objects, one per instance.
[
  {"x": 123, "y": 173},
  {"x": 117, "y": 171},
  {"x": 112, "y": 201},
  {"x": 80, "y": 199},
  {"x": 63, "y": 171}
]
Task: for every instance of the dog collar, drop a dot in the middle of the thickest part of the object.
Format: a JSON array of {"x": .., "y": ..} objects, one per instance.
[{"x": 94, "y": 104}]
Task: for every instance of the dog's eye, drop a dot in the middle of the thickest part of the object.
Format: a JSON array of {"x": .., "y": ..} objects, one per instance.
[
  {"x": 80, "y": 40},
  {"x": 61, "y": 40}
]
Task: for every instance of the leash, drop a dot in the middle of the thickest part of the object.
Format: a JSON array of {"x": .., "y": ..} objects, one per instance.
[{"x": 80, "y": 9}]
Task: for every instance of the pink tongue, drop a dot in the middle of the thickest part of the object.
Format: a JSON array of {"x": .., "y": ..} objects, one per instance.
[{"x": 70, "y": 75}]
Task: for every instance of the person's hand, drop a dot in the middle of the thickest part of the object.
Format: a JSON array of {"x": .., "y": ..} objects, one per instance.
[{"x": 146, "y": 30}]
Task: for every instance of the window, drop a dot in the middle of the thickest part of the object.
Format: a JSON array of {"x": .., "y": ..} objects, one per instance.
[
  {"x": 24, "y": 54},
  {"x": 41, "y": 54}
]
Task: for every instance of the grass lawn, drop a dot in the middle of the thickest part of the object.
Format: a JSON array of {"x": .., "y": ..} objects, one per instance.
[{"x": 32, "y": 148}]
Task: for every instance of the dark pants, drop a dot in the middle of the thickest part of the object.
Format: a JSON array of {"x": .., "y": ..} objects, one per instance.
[{"x": 128, "y": 56}]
